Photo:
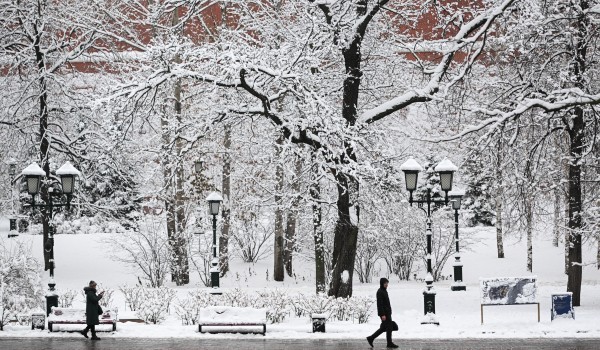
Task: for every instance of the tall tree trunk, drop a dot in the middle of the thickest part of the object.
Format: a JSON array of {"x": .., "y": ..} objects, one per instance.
[
  {"x": 167, "y": 169},
  {"x": 290, "y": 228},
  {"x": 278, "y": 267},
  {"x": 346, "y": 236},
  {"x": 499, "y": 200},
  {"x": 226, "y": 208},
  {"x": 44, "y": 147},
  {"x": 566, "y": 213},
  {"x": 315, "y": 194},
  {"x": 178, "y": 240},
  {"x": 576, "y": 136}
]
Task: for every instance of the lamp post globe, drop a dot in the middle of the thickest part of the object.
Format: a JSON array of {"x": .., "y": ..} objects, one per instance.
[
  {"x": 12, "y": 168},
  {"x": 446, "y": 171},
  {"x": 411, "y": 171},
  {"x": 33, "y": 176},
  {"x": 214, "y": 201},
  {"x": 67, "y": 174},
  {"x": 198, "y": 165}
]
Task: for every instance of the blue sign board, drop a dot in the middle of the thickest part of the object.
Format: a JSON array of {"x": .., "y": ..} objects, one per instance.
[{"x": 562, "y": 306}]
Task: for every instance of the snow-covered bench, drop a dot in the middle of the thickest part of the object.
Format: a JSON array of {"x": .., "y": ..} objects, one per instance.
[
  {"x": 217, "y": 317},
  {"x": 62, "y": 316}
]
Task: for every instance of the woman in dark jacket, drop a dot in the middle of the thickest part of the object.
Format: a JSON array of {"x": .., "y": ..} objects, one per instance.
[
  {"x": 92, "y": 310},
  {"x": 384, "y": 311}
]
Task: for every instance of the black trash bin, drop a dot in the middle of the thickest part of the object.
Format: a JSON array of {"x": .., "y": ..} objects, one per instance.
[{"x": 318, "y": 322}]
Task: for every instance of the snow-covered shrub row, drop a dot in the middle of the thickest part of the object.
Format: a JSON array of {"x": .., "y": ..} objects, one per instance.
[
  {"x": 188, "y": 309},
  {"x": 66, "y": 297},
  {"x": 21, "y": 290},
  {"x": 279, "y": 305},
  {"x": 133, "y": 296},
  {"x": 82, "y": 225},
  {"x": 155, "y": 304}
]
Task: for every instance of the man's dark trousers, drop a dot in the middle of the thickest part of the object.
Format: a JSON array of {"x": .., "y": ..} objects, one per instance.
[{"x": 386, "y": 326}]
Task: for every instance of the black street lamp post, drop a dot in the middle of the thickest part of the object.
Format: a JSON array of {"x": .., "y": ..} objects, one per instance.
[
  {"x": 12, "y": 219},
  {"x": 456, "y": 198},
  {"x": 214, "y": 201},
  {"x": 33, "y": 177},
  {"x": 411, "y": 170}
]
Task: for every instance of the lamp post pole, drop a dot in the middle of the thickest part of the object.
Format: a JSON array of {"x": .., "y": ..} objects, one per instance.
[
  {"x": 214, "y": 271},
  {"x": 214, "y": 201},
  {"x": 458, "y": 284},
  {"x": 33, "y": 177},
  {"x": 411, "y": 171},
  {"x": 12, "y": 219}
]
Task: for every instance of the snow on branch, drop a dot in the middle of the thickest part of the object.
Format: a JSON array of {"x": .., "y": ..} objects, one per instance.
[
  {"x": 574, "y": 98},
  {"x": 469, "y": 34}
]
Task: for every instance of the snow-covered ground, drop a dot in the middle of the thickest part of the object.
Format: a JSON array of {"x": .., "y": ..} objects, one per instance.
[{"x": 80, "y": 258}]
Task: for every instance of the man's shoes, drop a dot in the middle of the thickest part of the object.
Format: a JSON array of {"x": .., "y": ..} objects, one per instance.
[
  {"x": 84, "y": 334},
  {"x": 392, "y": 346},
  {"x": 95, "y": 338},
  {"x": 370, "y": 341}
]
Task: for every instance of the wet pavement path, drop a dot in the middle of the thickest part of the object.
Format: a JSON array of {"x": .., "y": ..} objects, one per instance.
[{"x": 274, "y": 344}]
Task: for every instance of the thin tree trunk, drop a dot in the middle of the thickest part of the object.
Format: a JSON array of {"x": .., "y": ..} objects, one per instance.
[
  {"x": 315, "y": 193},
  {"x": 499, "y": 200},
  {"x": 290, "y": 229},
  {"x": 529, "y": 224},
  {"x": 226, "y": 209},
  {"x": 278, "y": 267},
  {"x": 598, "y": 254},
  {"x": 556, "y": 221}
]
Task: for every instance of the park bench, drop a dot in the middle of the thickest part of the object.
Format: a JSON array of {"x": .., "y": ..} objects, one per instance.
[
  {"x": 503, "y": 291},
  {"x": 240, "y": 318},
  {"x": 68, "y": 316}
]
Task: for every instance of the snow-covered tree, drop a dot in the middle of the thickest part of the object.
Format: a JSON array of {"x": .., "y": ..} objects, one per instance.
[{"x": 21, "y": 288}]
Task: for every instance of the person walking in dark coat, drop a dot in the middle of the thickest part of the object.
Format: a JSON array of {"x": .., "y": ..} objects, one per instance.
[
  {"x": 92, "y": 310},
  {"x": 384, "y": 311}
]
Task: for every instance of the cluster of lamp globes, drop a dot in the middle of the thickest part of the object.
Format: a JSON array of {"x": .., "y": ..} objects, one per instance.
[
  {"x": 445, "y": 169},
  {"x": 33, "y": 175}
]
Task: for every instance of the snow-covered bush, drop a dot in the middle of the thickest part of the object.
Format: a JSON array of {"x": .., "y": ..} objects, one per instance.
[
  {"x": 66, "y": 297},
  {"x": 315, "y": 304},
  {"x": 277, "y": 304},
  {"x": 107, "y": 298},
  {"x": 341, "y": 309},
  {"x": 146, "y": 249},
  {"x": 20, "y": 284},
  {"x": 155, "y": 304},
  {"x": 239, "y": 298},
  {"x": 361, "y": 308},
  {"x": 133, "y": 296},
  {"x": 188, "y": 309}
]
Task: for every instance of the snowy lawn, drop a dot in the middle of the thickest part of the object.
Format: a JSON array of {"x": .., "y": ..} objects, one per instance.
[{"x": 80, "y": 258}]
